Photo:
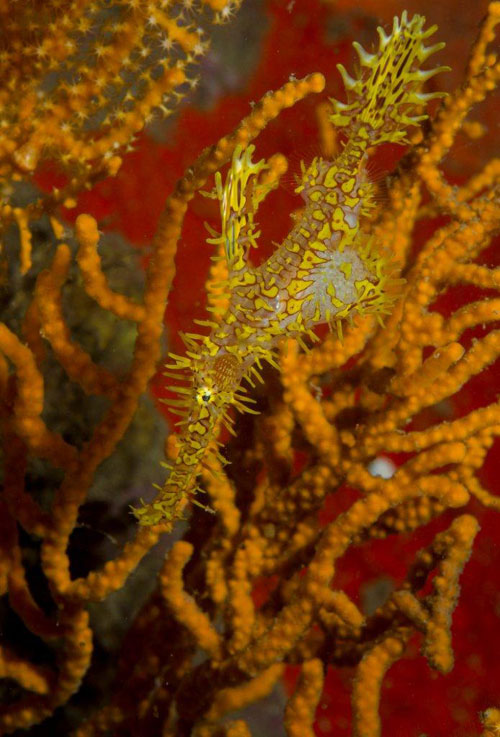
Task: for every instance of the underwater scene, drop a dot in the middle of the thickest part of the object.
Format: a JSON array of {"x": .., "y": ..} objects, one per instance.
[{"x": 249, "y": 368}]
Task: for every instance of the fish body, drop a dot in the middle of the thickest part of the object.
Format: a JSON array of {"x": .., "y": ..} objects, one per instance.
[{"x": 325, "y": 270}]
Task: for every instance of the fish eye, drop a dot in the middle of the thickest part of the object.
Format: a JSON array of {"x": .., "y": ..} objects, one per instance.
[{"x": 204, "y": 395}]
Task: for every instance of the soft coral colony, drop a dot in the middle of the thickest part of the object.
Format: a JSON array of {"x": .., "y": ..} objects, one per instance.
[
  {"x": 81, "y": 79},
  {"x": 371, "y": 386}
]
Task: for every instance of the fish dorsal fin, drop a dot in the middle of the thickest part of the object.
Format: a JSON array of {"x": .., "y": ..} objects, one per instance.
[{"x": 239, "y": 197}]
